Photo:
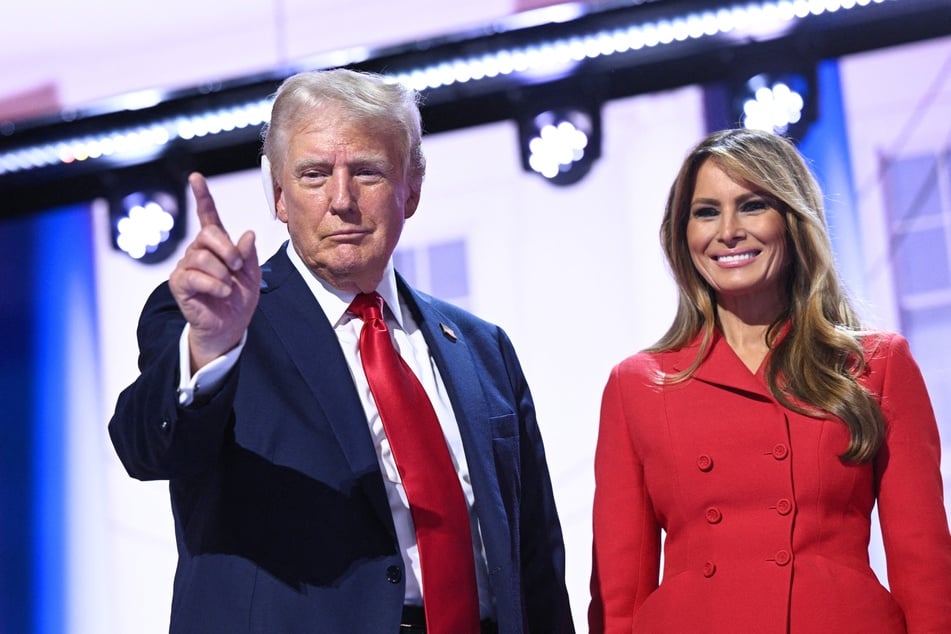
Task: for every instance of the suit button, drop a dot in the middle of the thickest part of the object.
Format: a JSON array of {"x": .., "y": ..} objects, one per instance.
[
  {"x": 164, "y": 425},
  {"x": 709, "y": 569},
  {"x": 782, "y": 557},
  {"x": 704, "y": 463},
  {"x": 784, "y": 507},
  {"x": 780, "y": 451},
  {"x": 394, "y": 574},
  {"x": 713, "y": 515}
]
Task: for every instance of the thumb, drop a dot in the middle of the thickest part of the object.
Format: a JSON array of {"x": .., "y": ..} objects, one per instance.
[{"x": 246, "y": 247}]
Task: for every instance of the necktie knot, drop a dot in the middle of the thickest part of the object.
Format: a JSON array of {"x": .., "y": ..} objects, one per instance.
[{"x": 368, "y": 306}]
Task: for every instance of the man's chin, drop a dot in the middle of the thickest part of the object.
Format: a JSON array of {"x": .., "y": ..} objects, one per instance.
[{"x": 351, "y": 274}]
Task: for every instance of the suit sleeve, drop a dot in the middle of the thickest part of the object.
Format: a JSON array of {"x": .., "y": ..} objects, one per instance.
[
  {"x": 153, "y": 436},
  {"x": 626, "y": 553},
  {"x": 910, "y": 500},
  {"x": 547, "y": 608}
]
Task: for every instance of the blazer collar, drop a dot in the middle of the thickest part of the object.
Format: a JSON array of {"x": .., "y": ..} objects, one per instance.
[
  {"x": 721, "y": 367},
  {"x": 288, "y": 307},
  {"x": 333, "y": 302},
  {"x": 461, "y": 374},
  {"x": 276, "y": 270},
  {"x": 465, "y": 379},
  {"x": 449, "y": 348},
  {"x": 440, "y": 332}
]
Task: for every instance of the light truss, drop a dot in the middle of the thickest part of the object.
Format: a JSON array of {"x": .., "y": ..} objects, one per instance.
[{"x": 604, "y": 50}]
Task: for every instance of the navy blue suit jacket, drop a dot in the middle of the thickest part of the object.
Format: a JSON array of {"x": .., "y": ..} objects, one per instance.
[{"x": 281, "y": 517}]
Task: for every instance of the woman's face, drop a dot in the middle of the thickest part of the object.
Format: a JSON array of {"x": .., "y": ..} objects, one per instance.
[{"x": 738, "y": 242}]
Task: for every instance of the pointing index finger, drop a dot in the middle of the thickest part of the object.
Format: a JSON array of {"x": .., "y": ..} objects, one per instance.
[{"x": 204, "y": 203}]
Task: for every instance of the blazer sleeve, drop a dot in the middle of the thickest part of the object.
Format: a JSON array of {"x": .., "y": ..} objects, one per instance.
[
  {"x": 626, "y": 552},
  {"x": 910, "y": 500},
  {"x": 547, "y": 606},
  {"x": 153, "y": 436}
]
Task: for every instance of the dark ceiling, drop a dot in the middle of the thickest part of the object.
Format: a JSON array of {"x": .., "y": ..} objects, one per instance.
[{"x": 706, "y": 60}]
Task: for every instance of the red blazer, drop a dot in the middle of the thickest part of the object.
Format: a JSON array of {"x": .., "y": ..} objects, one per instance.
[{"x": 766, "y": 529}]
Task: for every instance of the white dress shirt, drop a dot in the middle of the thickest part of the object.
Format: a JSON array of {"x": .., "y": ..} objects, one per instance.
[{"x": 412, "y": 347}]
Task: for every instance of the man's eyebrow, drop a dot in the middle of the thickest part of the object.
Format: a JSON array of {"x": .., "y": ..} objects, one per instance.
[{"x": 306, "y": 163}]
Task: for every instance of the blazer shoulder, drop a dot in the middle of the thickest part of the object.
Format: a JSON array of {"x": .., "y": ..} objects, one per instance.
[
  {"x": 889, "y": 362},
  {"x": 647, "y": 366},
  {"x": 160, "y": 297},
  {"x": 424, "y": 306},
  {"x": 879, "y": 344},
  {"x": 637, "y": 377},
  {"x": 884, "y": 350}
]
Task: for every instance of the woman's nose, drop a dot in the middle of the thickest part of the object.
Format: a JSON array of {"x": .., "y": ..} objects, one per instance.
[{"x": 731, "y": 228}]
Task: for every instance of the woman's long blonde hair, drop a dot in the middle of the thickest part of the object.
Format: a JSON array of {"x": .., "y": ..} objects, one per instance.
[{"x": 812, "y": 369}]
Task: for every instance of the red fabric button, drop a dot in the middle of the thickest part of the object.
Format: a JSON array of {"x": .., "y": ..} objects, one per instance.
[
  {"x": 782, "y": 557},
  {"x": 704, "y": 462},
  {"x": 784, "y": 507},
  {"x": 713, "y": 515},
  {"x": 709, "y": 569},
  {"x": 780, "y": 451}
]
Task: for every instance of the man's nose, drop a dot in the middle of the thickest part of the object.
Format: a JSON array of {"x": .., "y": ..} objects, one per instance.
[{"x": 341, "y": 191}]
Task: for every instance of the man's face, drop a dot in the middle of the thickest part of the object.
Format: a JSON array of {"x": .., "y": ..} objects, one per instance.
[{"x": 344, "y": 193}]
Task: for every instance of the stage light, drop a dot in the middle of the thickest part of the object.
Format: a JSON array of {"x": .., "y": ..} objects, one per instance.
[
  {"x": 148, "y": 221},
  {"x": 784, "y": 103},
  {"x": 562, "y": 144}
]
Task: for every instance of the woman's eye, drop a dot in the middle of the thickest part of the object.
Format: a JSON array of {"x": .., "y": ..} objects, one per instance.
[
  {"x": 755, "y": 205},
  {"x": 704, "y": 212}
]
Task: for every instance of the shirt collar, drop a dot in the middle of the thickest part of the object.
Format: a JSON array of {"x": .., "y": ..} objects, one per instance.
[{"x": 335, "y": 302}]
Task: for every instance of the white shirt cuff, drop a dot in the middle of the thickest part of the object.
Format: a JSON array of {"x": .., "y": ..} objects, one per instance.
[{"x": 210, "y": 377}]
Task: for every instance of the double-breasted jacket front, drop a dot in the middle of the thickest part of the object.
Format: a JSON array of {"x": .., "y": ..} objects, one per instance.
[{"x": 765, "y": 528}]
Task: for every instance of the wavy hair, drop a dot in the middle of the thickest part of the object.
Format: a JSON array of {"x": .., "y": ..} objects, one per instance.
[
  {"x": 814, "y": 368},
  {"x": 365, "y": 97}
]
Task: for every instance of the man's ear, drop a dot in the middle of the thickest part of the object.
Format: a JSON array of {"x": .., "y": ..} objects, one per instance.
[
  {"x": 280, "y": 208},
  {"x": 270, "y": 188},
  {"x": 412, "y": 201}
]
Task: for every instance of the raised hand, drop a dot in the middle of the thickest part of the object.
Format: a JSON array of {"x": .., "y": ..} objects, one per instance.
[{"x": 216, "y": 283}]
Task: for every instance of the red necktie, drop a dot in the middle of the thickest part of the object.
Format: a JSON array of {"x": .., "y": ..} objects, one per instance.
[{"x": 437, "y": 504}]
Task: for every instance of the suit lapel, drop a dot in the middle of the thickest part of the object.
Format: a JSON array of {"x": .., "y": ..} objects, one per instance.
[
  {"x": 491, "y": 454},
  {"x": 460, "y": 375},
  {"x": 309, "y": 340}
]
